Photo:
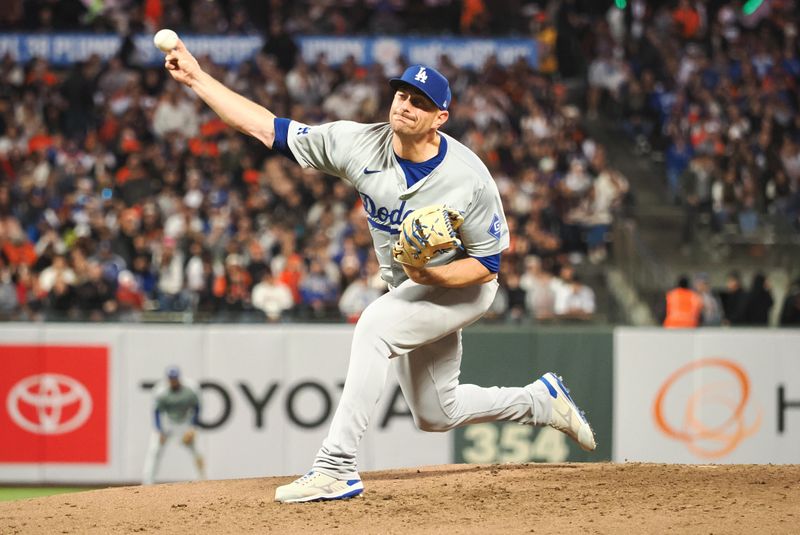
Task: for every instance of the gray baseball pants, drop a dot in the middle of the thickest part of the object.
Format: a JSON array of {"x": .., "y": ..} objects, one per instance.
[{"x": 417, "y": 329}]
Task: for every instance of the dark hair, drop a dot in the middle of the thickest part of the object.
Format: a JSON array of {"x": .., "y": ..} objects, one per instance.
[
  {"x": 683, "y": 281},
  {"x": 759, "y": 281}
]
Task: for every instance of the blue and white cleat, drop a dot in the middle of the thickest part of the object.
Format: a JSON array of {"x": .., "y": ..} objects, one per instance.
[
  {"x": 315, "y": 486},
  {"x": 566, "y": 416}
]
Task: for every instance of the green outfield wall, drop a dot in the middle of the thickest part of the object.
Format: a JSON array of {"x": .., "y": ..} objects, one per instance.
[{"x": 512, "y": 356}]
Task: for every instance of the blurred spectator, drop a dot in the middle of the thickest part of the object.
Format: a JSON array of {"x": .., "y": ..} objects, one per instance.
[
  {"x": 356, "y": 297},
  {"x": 123, "y": 244},
  {"x": 575, "y": 300},
  {"x": 734, "y": 300},
  {"x": 130, "y": 298},
  {"x": 272, "y": 297},
  {"x": 683, "y": 306},
  {"x": 29, "y": 295},
  {"x": 696, "y": 191},
  {"x": 790, "y": 311},
  {"x": 111, "y": 263},
  {"x": 146, "y": 279},
  {"x": 195, "y": 272},
  {"x": 59, "y": 269},
  {"x": 9, "y": 303},
  {"x": 291, "y": 275},
  {"x": 688, "y": 19},
  {"x": 515, "y": 296},
  {"x": 169, "y": 268},
  {"x": 281, "y": 45},
  {"x": 711, "y": 314},
  {"x": 318, "y": 290},
  {"x": 61, "y": 299},
  {"x": 95, "y": 295},
  {"x": 759, "y": 301},
  {"x": 12, "y": 13},
  {"x": 603, "y": 200},
  {"x": 232, "y": 286},
  {"x": 677, "y": 158},
  {"x": 175, "y": 114},
  {"x": 607, "y": 75},
  {"x": 78, "y": 90},
  {"x": 538, "y": 286},
  {"x": 15, "y": 246}
]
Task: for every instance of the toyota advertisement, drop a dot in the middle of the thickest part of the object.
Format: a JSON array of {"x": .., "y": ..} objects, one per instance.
[
  {"x": 56, "y": 404},
  {"x": 77, "y": 402},
  {"x": 707, "y": 396}
]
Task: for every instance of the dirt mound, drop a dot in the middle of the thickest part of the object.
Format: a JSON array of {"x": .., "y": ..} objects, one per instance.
[{"x": 541, "y": 498}]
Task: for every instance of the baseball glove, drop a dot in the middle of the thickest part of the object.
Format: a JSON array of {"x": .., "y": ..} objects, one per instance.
[
  {"x": 426, "y": 232},
  {"x": 188, "y": 437}
]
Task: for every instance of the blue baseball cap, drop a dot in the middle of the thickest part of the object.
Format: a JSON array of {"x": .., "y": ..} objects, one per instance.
[
  {"x": 428, "y": 80},
  {"x": 173, "y": 372}
]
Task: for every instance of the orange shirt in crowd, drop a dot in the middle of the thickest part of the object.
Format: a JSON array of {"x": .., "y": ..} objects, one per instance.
[
  {"x": 688, "y": 19},
  {"x": 47, "y": 77},
  {"x": 39, "y": 142},
  {"x": 153, "y": 11},
  {"x": 213, "y": 127},
  {"x": 683, "y": 308},
  {"x": 472, "y": 9},
  {"x": 20, "y": 254},
  {"x": 291, "y": 276},
  {"x": 198, "y": 147}
]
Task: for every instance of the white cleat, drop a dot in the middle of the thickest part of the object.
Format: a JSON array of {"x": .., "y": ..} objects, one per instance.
[
  {"x": 566, "y": 416},
  {"x": 315, "y": 486}
]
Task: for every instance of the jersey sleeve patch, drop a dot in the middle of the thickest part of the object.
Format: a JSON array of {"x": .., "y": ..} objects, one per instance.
[{"x": 496, "y": 227}]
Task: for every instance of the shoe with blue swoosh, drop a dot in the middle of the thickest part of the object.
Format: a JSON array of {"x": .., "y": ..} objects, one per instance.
[
  {"x": 315, "y": 486},
  {"x": 566, "y": 416}
]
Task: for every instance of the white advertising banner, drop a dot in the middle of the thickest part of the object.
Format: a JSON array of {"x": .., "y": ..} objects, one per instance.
[
  {"x": 707, "y": 396},
  {"x": 77, "y": 402}
]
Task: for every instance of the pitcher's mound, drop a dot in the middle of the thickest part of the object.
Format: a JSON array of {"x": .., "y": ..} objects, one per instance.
[{"x": 540, "y": 498}]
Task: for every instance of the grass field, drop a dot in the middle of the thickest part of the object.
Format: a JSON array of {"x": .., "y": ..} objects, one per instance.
[{"x": 20, "y": 493}]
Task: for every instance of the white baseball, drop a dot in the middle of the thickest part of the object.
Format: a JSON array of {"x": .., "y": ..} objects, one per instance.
[{"x": 165, "y": 40}]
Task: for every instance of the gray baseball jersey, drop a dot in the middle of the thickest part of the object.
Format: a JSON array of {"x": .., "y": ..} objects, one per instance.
[
  {"x": 362, "y": 154},
  {"x": 178, "y": 405}
]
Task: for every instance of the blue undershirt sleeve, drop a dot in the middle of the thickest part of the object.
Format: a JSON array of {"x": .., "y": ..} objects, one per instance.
[
  {"x": 281, "y": 142},
  {"x": 492, "y": 263},
  {"x": 196, "y": 415},
  {"x": 157, "y": 420}
]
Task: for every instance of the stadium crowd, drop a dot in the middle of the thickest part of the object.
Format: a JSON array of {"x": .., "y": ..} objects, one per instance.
[
  {"x": 694, "y": 303},
  {"x": 121, "y": 194},
  {"x": 309, "y": 17},
  {"x": 714, "y": 91}
]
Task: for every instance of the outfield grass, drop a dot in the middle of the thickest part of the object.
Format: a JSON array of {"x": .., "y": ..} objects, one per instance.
[{"x": 20, "y": 493}]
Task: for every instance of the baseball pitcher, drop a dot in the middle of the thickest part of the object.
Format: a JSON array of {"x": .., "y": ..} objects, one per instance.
[
  {"x": 438, "y": 229},
  {"x": 176, "y": 408}
]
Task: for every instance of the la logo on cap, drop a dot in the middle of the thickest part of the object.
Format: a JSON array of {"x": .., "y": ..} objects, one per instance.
[{"x": 421, "y": 76}]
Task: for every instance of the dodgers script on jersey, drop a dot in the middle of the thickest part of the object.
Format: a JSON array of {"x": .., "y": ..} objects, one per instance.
[{"x": 362, "y": 154}]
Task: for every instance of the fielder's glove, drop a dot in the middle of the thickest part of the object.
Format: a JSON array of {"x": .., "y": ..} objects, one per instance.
[
  {"x": 426, "y": 232},
  {"x": 188, "y": 437}
]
